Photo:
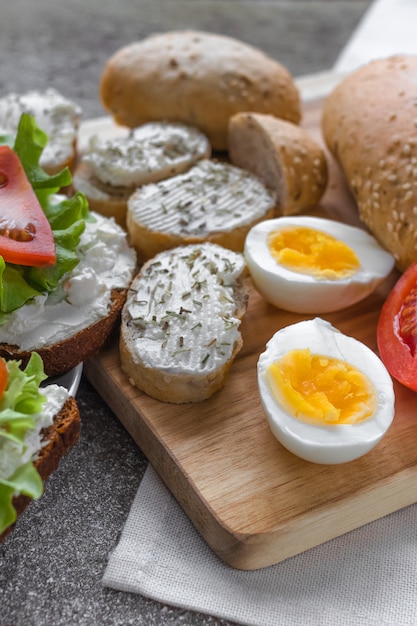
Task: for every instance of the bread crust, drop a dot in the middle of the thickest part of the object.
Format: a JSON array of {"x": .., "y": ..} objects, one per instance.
[
  {"x": 148, "y": 243},
  {"x": 369, "y": 124},
  {"x": 173, "y": 388},
  {"x": 283, "y": 155},
  {"x": 62, "y": 435},
  {"x": 198, "y": 78},
  {"x": 105, "y": 199},
  {"x": 65, "y": 355}
]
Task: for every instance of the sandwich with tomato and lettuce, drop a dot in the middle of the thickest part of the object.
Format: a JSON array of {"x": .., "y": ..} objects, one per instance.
[
  {"x": 38, "y": 425},
  {"x": 64, "y": 270}
]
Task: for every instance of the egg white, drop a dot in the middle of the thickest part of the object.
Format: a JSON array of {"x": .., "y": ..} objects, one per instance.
[
  {"x": 326, "y": 444},
  {"x": 303, "y": 293}
]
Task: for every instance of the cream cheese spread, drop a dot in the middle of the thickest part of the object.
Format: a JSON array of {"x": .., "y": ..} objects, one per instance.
[
  {"x": 14, "y": 454},
  {"x": 149, "y": 153},
  {"x": 181, "y": 309},
  {"x": 84, "y": 295},
  {"x": 57, "y": 116},
  {"x": 210, "y": 197}
]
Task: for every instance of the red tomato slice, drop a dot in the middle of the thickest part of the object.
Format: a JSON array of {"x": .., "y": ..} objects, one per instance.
[
  {"x": 4, "y": 375},
  {"x": 397, "y": 329},
  {"x": 26, "y": 236}
]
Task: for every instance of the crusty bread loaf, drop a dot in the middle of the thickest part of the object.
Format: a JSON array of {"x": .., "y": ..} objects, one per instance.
[
  {"x": 283, "y": 155},
  {"x": 111, "y": 169},
  {"x": 57, "y": 441},
  {"x": 369, "y": 124},
  {"x": 55, "y": 114},
  {"x": 214, "y": 201},
  {"x": 195, "y": 77},
  {"x": 180, "y": 324}
]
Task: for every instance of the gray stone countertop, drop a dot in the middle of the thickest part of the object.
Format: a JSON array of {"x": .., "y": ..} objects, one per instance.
[{"x": 51, "y": 566}]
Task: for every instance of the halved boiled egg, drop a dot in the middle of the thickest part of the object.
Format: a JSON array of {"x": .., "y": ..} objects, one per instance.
[
  {"x": 314, "y": 265},
  {"x": 328, "y": 397}
]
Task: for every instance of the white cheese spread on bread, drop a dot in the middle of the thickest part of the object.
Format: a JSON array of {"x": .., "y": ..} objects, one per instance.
[
  {"x": 148, "y": 153},
  {"x": 181, "y": 321},
  {"x": 56, "y": 115},
  {"x": 13, "y": 453},
  {"x": 107, "y": 262},
  {"x": 212, "y": 196}
]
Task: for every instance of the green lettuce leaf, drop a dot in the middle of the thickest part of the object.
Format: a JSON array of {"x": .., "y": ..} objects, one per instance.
[
  {"x": 67, "y": 216},
  {"x": 19, "y": 405}
]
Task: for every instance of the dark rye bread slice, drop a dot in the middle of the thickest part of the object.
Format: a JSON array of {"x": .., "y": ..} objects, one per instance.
[
  {"x": 68, "y": 353},
  {"x": 60, "y": 437}
]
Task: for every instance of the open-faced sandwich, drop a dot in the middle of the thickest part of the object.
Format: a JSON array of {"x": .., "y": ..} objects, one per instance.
[
  {"x": 58, "y": 116},
  {"x": 64, "y": 271},
  {"x": 111, "y": 169},
  {"x": 38, "y": 425}
]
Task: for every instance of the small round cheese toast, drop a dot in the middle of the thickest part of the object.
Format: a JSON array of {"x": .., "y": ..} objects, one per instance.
[
  {"x": 214, "y": 201},
  {"x": 55, "y": 114},
  {"x": 111, "y": 169},
  {"x": 180, "y": 323}
]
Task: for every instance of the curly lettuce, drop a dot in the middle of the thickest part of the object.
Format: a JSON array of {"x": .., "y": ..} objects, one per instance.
[
  {"x": 20, "y": 403},
  {"x": 67, "y": 217}
]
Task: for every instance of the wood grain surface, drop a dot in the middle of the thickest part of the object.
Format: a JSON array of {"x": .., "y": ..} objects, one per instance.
[{"x": 254, "y": 502}]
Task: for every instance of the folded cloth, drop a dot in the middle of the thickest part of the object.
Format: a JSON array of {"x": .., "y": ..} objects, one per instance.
[
  {"x": 388, "y": 27},
  {"x": 364, "y": 578}
]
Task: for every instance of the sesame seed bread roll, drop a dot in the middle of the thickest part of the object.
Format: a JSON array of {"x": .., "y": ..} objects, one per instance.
[
  {"x": 370, "y": 125},
  {"x": 283, "y": 155},
  {"x": 111, "y": 169},
  {"x": 180, "y": 324},
  {"x": 213, "y": 201},
  {"x": 198, "y": 78}
]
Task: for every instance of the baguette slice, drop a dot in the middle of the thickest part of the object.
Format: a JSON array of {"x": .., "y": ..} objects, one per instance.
[
  {"x": 111, "y": 169},
  {"x": 283, "y": 155},
  {"x": 55, "y": 114},
  {"x": 370, "y": 126},
  {"x": 180, "y": 324},
  {"x": 214, "y": 201},
  {"x": 195, "y": 77},
  {"x": 57, "y": 441},
  {"x": 73, "y": 323}
]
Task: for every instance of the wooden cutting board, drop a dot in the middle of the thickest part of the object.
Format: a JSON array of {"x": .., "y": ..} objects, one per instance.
[{"x": 255, "y": 503}]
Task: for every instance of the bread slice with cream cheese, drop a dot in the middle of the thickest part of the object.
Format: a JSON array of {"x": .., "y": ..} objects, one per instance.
[
  {"x": 180, "y": 324},
  {"x": 58, "y": 116},
  {"x": 213, "y": 201},
  {"x": 73, "y": 322},
  {"x": 111, "y": 169},
  {"x": 49, "y": 426}
]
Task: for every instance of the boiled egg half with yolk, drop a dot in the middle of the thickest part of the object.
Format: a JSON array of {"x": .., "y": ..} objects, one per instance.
[
  {"x": 328, "y": 397},
  {"x": 314, "y": 265}
]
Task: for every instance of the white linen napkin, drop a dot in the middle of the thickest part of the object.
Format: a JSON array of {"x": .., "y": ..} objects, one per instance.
[
  {"x": 367, "y": 577},
  {"x": 388, "y": 27}
]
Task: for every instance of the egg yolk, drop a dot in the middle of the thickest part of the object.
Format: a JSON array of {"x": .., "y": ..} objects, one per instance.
[
  {"x": 321, "y": 389},
  {"x": 309, "y": 251}
]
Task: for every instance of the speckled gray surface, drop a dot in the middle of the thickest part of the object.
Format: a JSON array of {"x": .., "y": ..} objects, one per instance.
[{"x": 51, "y": 566}]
